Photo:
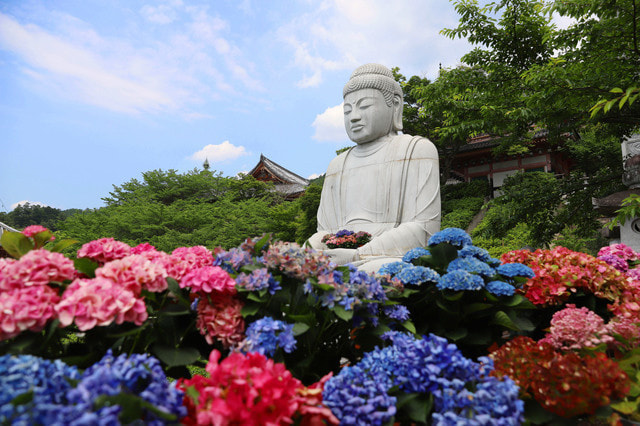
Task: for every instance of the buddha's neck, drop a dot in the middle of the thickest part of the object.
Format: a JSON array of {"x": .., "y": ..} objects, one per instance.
[{"x": 366, "y": 149}]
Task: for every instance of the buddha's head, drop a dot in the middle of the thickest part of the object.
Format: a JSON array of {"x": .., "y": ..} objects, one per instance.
[{"x": 372, "y": 104}]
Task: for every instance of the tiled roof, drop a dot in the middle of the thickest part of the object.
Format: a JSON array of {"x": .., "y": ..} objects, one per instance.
[{"x": 282, "y": 173}]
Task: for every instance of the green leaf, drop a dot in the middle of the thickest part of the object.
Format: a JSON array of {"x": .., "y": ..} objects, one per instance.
[
  {"x": 501, "y": 318},
  {"x": 452, "y": 295},
  {"x": 43, "y": 237},
  {"x": 261, "y": 244},
  {"x": 616, "y": 90},
  {"x": 535, "y": 413},
  {"x": 175, "y": 289},
  {"x": 475, "y": 307},
  {"x": 442, "y": 254},
  {"x": 15, "y": 243},
  {"x": 86, "y": 266},
  {"x": 250, "y": 309},
  {"x": 309, "y": 319},
  {"x": 175, "y": 356},
  {"x": 409, "y": 326},
  {"x": 457, "y": 334},
  {"x": 342, "y": 313},
  {"x": 61, "y": 245},
  {"x": 626, "y": 407},
  {"x": 416, "y": 406},
  {"x": 524, "y": 324},
  {"x": 23, "y": 398},
  {"x": 300, "y": 328}
]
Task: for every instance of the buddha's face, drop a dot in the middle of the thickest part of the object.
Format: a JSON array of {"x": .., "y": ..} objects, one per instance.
[{"x": 367, "y": 117}]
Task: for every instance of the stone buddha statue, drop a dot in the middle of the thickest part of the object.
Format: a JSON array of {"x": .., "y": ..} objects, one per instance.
[{"x": 388, "y": 184}]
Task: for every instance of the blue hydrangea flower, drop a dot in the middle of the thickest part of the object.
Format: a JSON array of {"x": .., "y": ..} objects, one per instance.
[
  {"x": 232, "y": 260},
  {"x": 515, "y": 270},
  {"x": 49, "y": 382},
  {"x": 266, "y": 335},
  {"x": 259, "y": 279},
  {"x": 137, "y": 374},
  {"x": 500, "y": 288},
  {"x": 358, "y": 395},
  {"x": 477, "y": 252},
  {"x": 396, "y": 312},
  {"x": 415, "y": 253},
  {"x": 392, "y": 268},
  {"x": 453, "y": 236},
  {"x": 471, "y": 265},
  {"x": 460, "y": 280},
  {"x": 417, "y": 275}
]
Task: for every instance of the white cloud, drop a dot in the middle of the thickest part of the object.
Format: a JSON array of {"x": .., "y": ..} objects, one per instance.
[
  {"x": 178, "y": 70},
  {"x": 218, "y": 153},
  {"x": 33, "y": 203},
  {"x": 342, "y": 34},
  {"x": 313, "y": 176},
  {"x": 329, "y": 126}
]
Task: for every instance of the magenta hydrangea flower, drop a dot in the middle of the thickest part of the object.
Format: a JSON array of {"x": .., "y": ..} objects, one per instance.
[
  {"x": 184, "y": 259},
  {"x": 99, "y": 302},
  {"x": 620, "y": 250},
  {"x": 36, "y": 268},
  {"x": 135, "y": 273},
  {"x": 209, "y": 279},
  {"x": 104, "y": 250},
  {"x": 27, "y": 308},
  {"x": 576, "y": 328},
  {"x": 32, "y": 230}
]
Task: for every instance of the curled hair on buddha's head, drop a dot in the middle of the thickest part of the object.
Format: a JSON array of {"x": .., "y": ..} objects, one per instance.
[
  {"x": 374, "y": 76},
  {"x": 379, "y": 77}
]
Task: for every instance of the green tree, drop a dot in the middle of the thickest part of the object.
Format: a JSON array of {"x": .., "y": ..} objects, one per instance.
[
  {"x": 170, "y": 209},
  {"x": 34, "y": 214}
]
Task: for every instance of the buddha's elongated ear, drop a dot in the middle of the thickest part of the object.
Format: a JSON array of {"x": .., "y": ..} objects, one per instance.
[{"x": 397, "y": 112}]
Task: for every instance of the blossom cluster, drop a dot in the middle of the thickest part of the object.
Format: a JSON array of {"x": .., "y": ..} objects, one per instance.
[
  {"x": 564, "y": 383},
  {"x": 266, "y": 335},
  {"x": 577, "y": 328},
  {"x": 346, "y": 239},
  {"x": 560, "y": 272},
  {"x": 250, "y": 389},
  {"x": 360, "y": 394},
  {"x": 63, "y": 395},
  {"x": 472, "y": 270}
]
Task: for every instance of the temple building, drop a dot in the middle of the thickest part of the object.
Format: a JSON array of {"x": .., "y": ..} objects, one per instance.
[
  {"x": 476, "y": 160},
  {"x": 286, "y": 182}
]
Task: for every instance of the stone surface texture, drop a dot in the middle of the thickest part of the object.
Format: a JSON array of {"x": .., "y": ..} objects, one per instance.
[{"x": 388, "y": 184}]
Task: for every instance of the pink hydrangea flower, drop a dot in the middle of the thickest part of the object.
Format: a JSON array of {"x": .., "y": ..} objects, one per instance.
[
  {"x": 627, "y": 329},
  {"x": 209, "y": 279},
  {"x": 620, "y": 250},
  {"x": 142, "y": 247},
  {"x": 184, "y": 259},
  {"x": 104, "y": 250},
  {"x": 32, "y": 230},
  {"x": 576, "y": 328},
  {"x": 99, "y": 302},
  {"x": 135, "y": 273},
  {"x": 634, "y": 274},
  {"x": 27, "y": 308},
  {"x": 36, "y": 268},
  {"x": 221, "y": 320}
]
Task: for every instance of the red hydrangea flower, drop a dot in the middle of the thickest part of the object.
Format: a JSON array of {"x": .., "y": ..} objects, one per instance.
[
  {"x": 221, "y": 320},
  {"x": 104, "y": 250},
  {"x": 561, "y": 272},
  {"x": 27, "y": 308},
  {"x": 243, "y": 390},
  {"x": 36, "y": 268},
  {"x": 99, "y": 302},
  {"x": 566, "y": 384}
]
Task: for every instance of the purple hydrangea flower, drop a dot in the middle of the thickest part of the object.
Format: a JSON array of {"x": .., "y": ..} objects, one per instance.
[
  {"x": 344, "y": 233},
  {"x": 259, "y": 279},
  {"x": 396, "y": 312}
]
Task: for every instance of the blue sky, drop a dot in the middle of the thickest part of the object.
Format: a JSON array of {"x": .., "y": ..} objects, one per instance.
[{"x": 93, "y": 93}]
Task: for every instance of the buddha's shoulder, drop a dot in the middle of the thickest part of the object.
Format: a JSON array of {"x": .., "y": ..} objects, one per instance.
[{"x": 414, "y": 146}]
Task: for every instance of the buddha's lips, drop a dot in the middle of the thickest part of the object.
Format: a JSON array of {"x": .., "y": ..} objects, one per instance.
[{"x": 357, "y": 127}]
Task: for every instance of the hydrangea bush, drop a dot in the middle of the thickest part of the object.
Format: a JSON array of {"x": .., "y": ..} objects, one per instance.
[
  {"x": 275, "y": 321},
  {"x": 457, "y": 290}
]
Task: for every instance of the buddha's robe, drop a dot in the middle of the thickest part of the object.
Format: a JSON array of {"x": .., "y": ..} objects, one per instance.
[{"x": 389, "y": 188}]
